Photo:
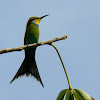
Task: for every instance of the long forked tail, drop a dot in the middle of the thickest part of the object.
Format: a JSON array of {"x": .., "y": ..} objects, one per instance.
[{"x": 28, "y": 67}]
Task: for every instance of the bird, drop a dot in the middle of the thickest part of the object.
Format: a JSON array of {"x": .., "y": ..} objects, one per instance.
[{"x": 29, "y": 66}]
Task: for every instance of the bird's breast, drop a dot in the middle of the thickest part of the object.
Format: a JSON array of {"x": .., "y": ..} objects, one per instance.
[{"x": 32, "y": 34}]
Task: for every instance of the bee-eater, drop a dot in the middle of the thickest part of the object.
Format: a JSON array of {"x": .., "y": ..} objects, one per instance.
[{"x": 29, "y": 66}]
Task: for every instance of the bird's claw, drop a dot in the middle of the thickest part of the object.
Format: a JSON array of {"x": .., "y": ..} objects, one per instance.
[{"x": 27, "y": 45}]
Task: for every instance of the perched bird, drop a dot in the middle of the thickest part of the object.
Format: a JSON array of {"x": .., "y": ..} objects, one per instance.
[{"x": 29, "y": 66}]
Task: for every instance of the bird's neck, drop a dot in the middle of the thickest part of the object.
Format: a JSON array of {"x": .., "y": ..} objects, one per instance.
[{"x": 34, "y": 23}]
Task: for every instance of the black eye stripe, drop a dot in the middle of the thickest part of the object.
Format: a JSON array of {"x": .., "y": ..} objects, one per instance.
[{"x": 36, "y": 18}]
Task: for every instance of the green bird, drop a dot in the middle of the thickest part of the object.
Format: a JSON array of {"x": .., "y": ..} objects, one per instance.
[{"x": 29, "y": 66}]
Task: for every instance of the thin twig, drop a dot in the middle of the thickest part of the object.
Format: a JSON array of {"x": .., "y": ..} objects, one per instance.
[{"x": 32, "y": 45}]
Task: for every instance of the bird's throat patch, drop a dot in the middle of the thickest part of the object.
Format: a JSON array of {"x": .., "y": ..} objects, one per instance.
[{"x": 37, "y": 21}]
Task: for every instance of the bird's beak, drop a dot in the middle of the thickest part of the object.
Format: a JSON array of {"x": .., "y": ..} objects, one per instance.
[{"x": 44, "y": 16}]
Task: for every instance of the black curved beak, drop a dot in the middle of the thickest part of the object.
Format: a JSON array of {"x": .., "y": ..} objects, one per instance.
[{"x": 44, "y": 16}]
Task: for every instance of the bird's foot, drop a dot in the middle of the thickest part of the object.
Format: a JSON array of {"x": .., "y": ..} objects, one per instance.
[
  {"x": 42, "y": 43},
  {"x": 27, "y": 45}
]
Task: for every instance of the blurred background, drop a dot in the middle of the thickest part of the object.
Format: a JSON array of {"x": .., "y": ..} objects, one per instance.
[{"x": 80, "y": 20}]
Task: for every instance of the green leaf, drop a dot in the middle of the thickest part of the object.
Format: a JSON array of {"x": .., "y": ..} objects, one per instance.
[
  {"x": 77, "y": 97},
  {"x": 81, "y": 94},
  {"x": 69, "y": 95},
  {"x": 61, "y": 94}
]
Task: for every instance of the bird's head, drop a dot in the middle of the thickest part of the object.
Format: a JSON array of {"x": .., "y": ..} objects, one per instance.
[{"x": 35, "y": 20}]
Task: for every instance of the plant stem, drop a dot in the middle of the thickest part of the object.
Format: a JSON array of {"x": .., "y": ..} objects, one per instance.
[{"x": 62, "y": 65}]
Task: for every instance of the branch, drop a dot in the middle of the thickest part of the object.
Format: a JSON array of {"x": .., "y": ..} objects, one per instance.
[{"x": 32, "y": 45}]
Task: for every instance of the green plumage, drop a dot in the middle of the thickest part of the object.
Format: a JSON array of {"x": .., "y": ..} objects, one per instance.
[
  {"x": 31, "y": 36},
  {"x": 29, "y": 66}
]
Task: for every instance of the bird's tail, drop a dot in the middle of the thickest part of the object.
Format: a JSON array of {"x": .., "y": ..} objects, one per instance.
[{"x": 28, "y": 67}]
